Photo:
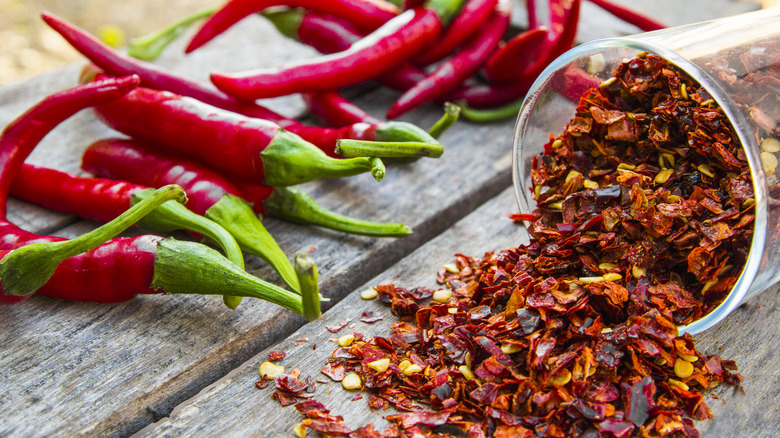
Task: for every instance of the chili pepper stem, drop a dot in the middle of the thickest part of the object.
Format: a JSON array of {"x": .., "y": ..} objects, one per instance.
[
  {"x": 150, "y": 46},
  {"x": 492, "y": 114},
  {"x": 401, "y": 131},
  {"x": 292, "y": 205},
  {"x": 450, "y": 116},
  {"x": 236, "y": 216},
  {"x": 377, "y": 168},
  {"x": 306, "y": 270},
  {"x": 362, "y": 148},
  {"x": 172, "y": 216},
  {"x": 286, "y": 21},
  {"x": 289, "y": 161},
  {"x": 182, "y": 267},
  {"x": 25, "y": 270},
  {"x": 447, "y": 10}
]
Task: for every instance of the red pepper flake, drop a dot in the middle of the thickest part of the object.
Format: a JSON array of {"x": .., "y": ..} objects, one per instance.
[
  {"x": 263, "y": 382},
  {"x": 356, "y": 397},
  {"x": 290, "y": 390},
  {"x": 335, "y": 370},
  {"x": 575, "y": 333},
  {"x": 275, "y": 356},
  {"x": 336, "y": 328},
  {"x": 371, "y": 316}
]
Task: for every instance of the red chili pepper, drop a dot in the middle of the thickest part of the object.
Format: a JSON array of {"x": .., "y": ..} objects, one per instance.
[
  {"x": 564, "y": 16},
  {"x": 328, "y": 34},
  {"x": 518, "y": 57},
  {"x": 463, "y": 27},
  {"x": 335, "y": 110},
  {"x": 492, "y": 95},
  {"x": 450, "y": 74},
  {"x": 396, "y": 41},
  {"x": 245, "y": 147},
  {"x": 530, "y": 9},
  {"x": 629, "y": 15},
  {"x": 103, "y": 200},
  {"x": 115, "y": 63},
  {"x": 215, "y": 197},
  {"x": 368, "y": 15},
  {"x": 120, "y": 268}
]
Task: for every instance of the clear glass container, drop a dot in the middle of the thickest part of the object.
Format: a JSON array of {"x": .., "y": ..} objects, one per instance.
[{"x": 719, "y": 54}]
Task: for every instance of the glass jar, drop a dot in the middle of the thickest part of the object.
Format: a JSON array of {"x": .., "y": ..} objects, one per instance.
[{"x": 720, "y": 55}]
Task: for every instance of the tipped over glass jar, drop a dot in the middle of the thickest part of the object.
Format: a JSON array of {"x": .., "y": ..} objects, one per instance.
[{"x": 655, "y": 157}]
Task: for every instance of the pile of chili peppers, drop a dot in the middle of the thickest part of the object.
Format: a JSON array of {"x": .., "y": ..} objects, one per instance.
[
  {"x": 644, "y": 220},
  {"x": 98, "y": 267},
  {"x": 461, "y": 51},
  {"x": 176, "y": 126}
]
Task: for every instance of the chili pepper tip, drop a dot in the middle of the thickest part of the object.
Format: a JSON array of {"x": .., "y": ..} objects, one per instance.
[
  {"x": 450, "y": 116},
  {"x": 377, "y": 168},
  {"x": 306, "y": 270}
]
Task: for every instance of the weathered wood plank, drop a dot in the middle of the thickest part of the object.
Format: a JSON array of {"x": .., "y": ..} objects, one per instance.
[
  {"x": 137, "y": 360},
  {"x": 234, "y": 407},
  {"x": 85, "y": 369}
]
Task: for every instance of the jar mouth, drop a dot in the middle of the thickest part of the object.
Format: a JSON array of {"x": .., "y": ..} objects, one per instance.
[{"x": 537, "y": 96}]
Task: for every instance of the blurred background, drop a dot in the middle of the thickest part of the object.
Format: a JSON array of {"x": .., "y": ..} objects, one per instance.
[{"x": 28, "y": 47}]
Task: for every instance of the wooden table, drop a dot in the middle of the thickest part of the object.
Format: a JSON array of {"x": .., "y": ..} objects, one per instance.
[{"x": 186, "y": 366}]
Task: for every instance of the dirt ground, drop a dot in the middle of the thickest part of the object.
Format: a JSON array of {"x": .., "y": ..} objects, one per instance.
[{"x": 28, "y": 47}]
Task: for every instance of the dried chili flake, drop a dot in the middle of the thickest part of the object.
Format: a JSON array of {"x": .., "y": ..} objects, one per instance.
[
  {"x": 275, "y": 356},
  {"x": 335, "y": 370},
  {"x": 336, "y": 328},
  {"x": 371, "y": 316},
  {"x": 574, "y": 334}
]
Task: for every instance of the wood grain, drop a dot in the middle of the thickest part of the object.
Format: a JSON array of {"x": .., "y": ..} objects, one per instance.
[
  {"x": 137, "y": 360},
  {"x": 79, "y": 369},
  {"x": 234, "y": 407}
]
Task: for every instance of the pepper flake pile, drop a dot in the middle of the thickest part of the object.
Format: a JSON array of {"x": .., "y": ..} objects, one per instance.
[{"x": 644, "y": 219}]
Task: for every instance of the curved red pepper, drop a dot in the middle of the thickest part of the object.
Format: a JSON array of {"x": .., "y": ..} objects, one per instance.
[
  {"x": 131, "y": 160},
  {"x": 564, "y": 17},
  {"x": 123, "y": 267},
  {"x": 249, "y": 148},
  {"x": 464, "y": 64},
  {"x": 335, "y": 110},
  {"x": 365, "y": 14},
  {"x": 328, "y": 34},
  {"x": 628, "y": 15},
  {"x": 96, "y": 199},
  {"x": 115, "y": 63},
  {"x": 16, "y": 142},
  {"x": 492, "y": 95},
  {"x": 396, "y": 41},
  {"x": 518, "y": 57},
  {"x": 463, "y": 27}
]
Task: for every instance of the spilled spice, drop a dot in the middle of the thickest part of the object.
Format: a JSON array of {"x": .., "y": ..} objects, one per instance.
[{"x": 644, "y": 219}]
